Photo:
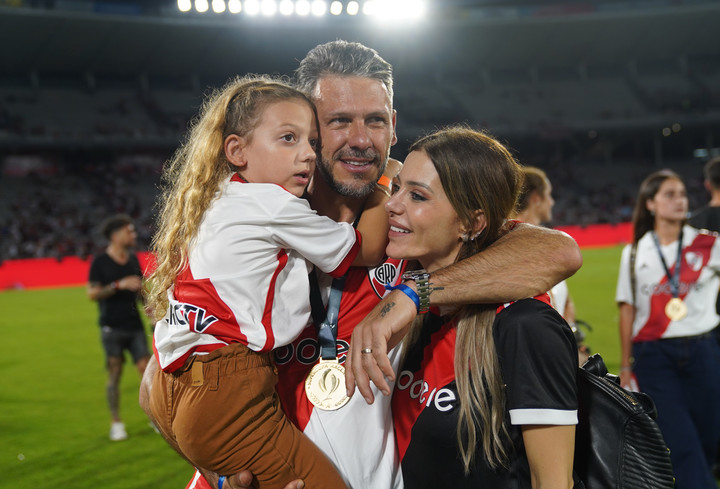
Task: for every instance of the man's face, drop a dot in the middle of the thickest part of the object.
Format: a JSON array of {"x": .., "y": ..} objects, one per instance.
[
  {"x": 357, "y": 128},
  {"x": 125, "y": 236}
]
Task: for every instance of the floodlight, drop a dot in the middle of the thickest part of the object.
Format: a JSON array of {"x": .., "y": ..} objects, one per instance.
[
  {"x": 184, "y": 5},
  {"x": 302, "y": 7},
  {"x": 666, "y": 131},
  {"x": 336, "y": 8},
  {"x": 252, "y": 7},
  {"x": 218, "y": 6},
  {"x": 318, "y": 7},
  {"x": 398, "y": 9},
  {"x": 353, "y": 8},
  {"x": 234, "y": 6},
  {"x": 369, "y": 8},
  {"x": 286, "y": 7},
  {"x": 268, "y": 7},
  {"x": 201, "y": 5}
]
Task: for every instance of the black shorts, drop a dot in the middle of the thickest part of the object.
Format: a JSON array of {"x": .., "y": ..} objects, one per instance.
[{"x": 115, "y": 341}]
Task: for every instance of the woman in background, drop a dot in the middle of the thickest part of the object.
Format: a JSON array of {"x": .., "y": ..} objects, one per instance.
[
  {"x": 534, "y": 206},
  {"x": 666, "y": 293}
]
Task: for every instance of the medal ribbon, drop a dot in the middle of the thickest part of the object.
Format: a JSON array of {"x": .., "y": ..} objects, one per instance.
[
  {"x": 326, "y": 321},
  {"x": 673, "y": 278}
]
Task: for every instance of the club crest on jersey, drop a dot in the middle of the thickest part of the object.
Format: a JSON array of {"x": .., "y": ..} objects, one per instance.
[
  {"x": 386, "y": 273},
  {"x": 196, "y": 318},
  {"x": 694, "y": 260}
]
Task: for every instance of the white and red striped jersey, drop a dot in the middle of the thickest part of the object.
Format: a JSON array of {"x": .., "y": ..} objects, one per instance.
[
  {"x": 358, "y": 438},
  {"x": 246, "y": 280},
  {"x": 698, "y": 285}
]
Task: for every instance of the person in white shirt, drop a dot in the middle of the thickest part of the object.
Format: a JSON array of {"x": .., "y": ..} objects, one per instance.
[{"x": 666, "y": 292}]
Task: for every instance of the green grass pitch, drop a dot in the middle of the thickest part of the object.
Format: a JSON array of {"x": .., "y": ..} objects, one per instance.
[{"x": 53, "y": 418}]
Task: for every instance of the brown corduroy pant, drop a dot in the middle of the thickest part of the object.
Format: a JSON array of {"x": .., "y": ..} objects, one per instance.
[{"x": 224, "y": 414}]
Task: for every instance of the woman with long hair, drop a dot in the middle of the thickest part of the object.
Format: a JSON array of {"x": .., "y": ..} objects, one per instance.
[
  {"x": 486, "y": 394},
  {"x": 666, "y": 293}
]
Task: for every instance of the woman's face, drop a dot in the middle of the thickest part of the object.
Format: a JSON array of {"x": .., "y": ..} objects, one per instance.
[
  {"x": 670, "y": 203},
  {"x": 546, "y": 203},
  {"x": 423, "y": 224}
]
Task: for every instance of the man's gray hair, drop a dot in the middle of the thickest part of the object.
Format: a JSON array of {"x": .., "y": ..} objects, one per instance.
[{"x": 342, "y": 58}]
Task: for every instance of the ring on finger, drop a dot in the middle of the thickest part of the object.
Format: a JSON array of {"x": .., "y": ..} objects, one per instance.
[{"x": 366, "y": 350}]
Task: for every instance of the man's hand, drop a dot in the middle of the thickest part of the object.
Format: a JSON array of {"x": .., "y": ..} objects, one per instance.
[
  {"x": 241, "y": 480},
  {"x": 379, "y": 332}
]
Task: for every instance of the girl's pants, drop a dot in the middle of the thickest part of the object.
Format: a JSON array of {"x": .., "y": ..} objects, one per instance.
[{"x": 224, "y": 414}]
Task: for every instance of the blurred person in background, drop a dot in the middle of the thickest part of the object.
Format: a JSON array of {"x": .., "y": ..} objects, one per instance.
[
  {"x": 534, "y": 206},
  {"x": 708, "y": 217},
  {"x": 115, "y": 282},
  {"x": 667, "y": 286}
]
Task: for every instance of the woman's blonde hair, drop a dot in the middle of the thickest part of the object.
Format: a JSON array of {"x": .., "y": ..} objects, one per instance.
[
  {"x": 193, "y": 176},
  {"x": 477, "y": 173}
]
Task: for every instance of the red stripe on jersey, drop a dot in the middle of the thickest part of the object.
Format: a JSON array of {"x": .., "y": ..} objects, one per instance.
[
  {"x": 269, "y": 299},
  {"x": 198, "y": 482},
  {"x": 414, "y": 391},
  {"x": 349, "y": 258},
  {"x": 542, "y": 298},
  {"x": 202, "y": 293},
  {"x": 658, "y": 322}
]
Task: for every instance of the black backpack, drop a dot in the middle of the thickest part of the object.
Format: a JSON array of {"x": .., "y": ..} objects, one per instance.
[{"x": 618, "y": 444}]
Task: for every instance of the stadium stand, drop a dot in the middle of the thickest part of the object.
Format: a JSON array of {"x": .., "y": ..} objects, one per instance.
[{"x": 94, "y": 98}]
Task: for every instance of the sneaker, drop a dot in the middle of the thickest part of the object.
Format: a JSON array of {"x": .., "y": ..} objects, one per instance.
[
  {"x": 155, "y": 428},
  {"x": 117, "y": 431}
]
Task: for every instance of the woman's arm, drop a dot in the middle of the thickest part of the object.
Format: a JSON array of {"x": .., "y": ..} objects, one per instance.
[
  {"x": 550, "y": 451},
  {"x": 627, "y": 317}
]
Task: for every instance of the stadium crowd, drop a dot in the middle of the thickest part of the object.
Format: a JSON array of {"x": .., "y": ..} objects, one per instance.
[{"x": 56, "y": 211}]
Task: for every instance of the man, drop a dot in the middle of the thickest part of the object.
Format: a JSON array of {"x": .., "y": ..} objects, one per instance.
[
  {"x": 115, "y": 282},
  {"x": 708, "y": 217},
  {"x": 352, "y": 88}
]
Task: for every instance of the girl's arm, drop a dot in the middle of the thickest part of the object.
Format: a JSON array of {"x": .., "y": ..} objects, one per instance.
[
  {"x": 550, "y": 451},
  {"x": 373, "y": 225},
  {"x": 627, "y": 317}
]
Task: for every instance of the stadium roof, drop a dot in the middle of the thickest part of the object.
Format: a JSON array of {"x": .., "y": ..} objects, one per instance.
[{"x": 462, "y": 40}]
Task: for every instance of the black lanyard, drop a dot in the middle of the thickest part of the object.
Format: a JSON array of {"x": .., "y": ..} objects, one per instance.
[
  {"x": 326, "y": 321},
  {"x": 673, "y": 278}
]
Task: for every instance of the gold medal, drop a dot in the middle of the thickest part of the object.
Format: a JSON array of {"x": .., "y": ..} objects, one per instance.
[
  {"x": 325, "y": 385},
  {"x": 676, "y": 309}
]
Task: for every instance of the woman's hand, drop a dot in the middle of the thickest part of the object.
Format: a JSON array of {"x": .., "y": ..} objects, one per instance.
[{"x": 379, "y": 332}]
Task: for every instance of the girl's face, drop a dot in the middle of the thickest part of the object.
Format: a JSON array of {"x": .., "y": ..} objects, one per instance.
[
  {"x": 281, "y": 147},
  {"x": 670, "y": 203},
  {"x": 423, "y": 224}
]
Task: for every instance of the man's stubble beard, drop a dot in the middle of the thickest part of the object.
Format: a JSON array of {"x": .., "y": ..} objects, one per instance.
[{"x": 348, "y": 190}]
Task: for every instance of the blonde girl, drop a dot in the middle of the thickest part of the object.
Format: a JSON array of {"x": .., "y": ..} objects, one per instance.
[{"x": 234, "y": 246}]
